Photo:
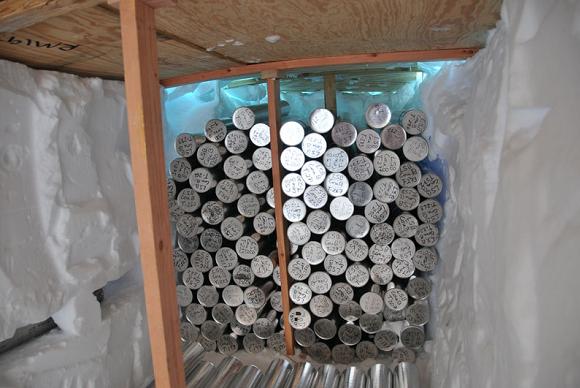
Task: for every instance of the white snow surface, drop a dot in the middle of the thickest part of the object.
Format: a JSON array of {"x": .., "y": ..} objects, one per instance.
[
  {"x": 114, "y": 353},
  {"x": 506, "y": 122},
  {"x": 67, "y": 219}
]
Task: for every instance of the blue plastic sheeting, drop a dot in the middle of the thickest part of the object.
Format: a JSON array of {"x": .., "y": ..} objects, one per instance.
[{"x": 187, "y": 108}]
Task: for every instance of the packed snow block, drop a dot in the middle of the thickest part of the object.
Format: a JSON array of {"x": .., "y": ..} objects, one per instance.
[
  {"x": 506, "y": 122},
  {"x": 67, "y": 219},
  {"x": 114, "y": 353},
  {"x": 81, "y": 315}
]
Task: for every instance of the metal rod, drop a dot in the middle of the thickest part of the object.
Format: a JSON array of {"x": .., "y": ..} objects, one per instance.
[
  {"x": 210, "y": 155},
  {"x": 248, "y": 377},
  {"x": 253, "y": 344},
  {"x": 291, "y": 133},
  {"x": 278, "y": 374},
  {"x": 378, "y": 115},
  {"x": 265, "y": 327},
  {"x": 393, "y": 136},
  {"x": 342, "y": 354},
  {"x": 222, "y": 314},
  {"x": 305, "y": 337},
  {"x": 305, "y": 374},
  {"x": 320, "y": 352},
  {"x": 328, "y": 377},
  {"x": 406, "y": 375},
  {"x": 260, "y": 134},
  {"x": 366, "y": 350},
  {"x": 354, "y": 377},
  {"x": 325, "y": 329},
  {"x": 226, "y": 370},
  {"x": 313, "y": 145},
  {"x": 201, "y": 375},
  {"x": 319, "y": 221},
  {"x": 277, "y": 342},
  {"x": 380, "y": 376},
  {"x": 191, "y": 356},
  {"x": 228, "y": 343},
  {"x": 414, "y": 121},
  {"x": 321, "y": 120}
]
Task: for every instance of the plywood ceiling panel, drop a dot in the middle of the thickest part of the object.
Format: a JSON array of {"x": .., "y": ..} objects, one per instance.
[
  {"x": 205, "y": 35},
  {"x": 247, "y": 30},
  {"x": 61, "y": 40},
  {"x": 88, "y": 42}
]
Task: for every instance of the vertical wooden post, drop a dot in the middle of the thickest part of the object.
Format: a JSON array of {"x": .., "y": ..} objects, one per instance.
[
  {"x": 283, "y": 246},
  {"x": 330, "y": 92},
  {"x": 148, "y": 165}
]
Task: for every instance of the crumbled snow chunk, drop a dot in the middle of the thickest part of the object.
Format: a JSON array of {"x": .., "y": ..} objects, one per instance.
[
  {"x": 273, "y": 38},
  {"x": 80, "y": 316}
]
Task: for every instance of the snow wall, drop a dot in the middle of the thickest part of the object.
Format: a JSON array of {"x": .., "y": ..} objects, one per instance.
[
  {"x": 67, "y": 228},
  {"x": 506, "y": 122}
]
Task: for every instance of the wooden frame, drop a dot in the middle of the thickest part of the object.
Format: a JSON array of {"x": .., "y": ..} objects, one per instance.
[
  {"x": 402, "y": 56},
  {"x": 283, "y": 245},
  {"x": 150, "y": 182},
  {"x": 82, "y": 36},
  {"x": 330, "y": 92},
  {"x": 145, "y": 132},
  {"x": 140, "y": 60}
]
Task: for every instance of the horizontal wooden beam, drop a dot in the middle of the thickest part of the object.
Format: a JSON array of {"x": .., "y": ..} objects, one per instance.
[
  {"x": 150, "y": 3},
  {"x": 294, "y": 64},
  {"x": 18, "y": 14}
]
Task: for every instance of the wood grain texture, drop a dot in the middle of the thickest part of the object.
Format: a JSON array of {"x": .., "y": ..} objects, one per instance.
[
  {"x": 281, "y": 238},
  {"x": 93, "y": 33},
  {"x": 174, "y": 59},
  {"x": 148, "y": 165},
  {"x": 330, "y": 92},
  {"x": 328, "y": 63},
  {"x": 96, "y": 35},
  {"x": 215, "y": 35},
  {"x": 166, "y": 35},
  {"x": 18, "y": 14},
  {"x": 150, "y": 3},
  {"x": 314, "y": 28}
]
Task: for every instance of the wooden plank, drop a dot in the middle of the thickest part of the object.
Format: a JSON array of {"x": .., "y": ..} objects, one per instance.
[
  {"x": 401, "y": 56},
  {"x": 148, "y": 165},
  {"x": 77, "y": 36},
  {"x": 18, "y": 14},
  {"x": 256, "y": 32},
  {"x": 227, "y": 33},
  {"x": 150, "y": 3},
  {"x": 88, "y": 42},
  {"x": 330, "y": 92},
  {"x": 192, "y": 47},
  {"x": 237, "y": 32},
  {"x": 174, "y": 59},
  {"x": 282, "y": 239}
]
